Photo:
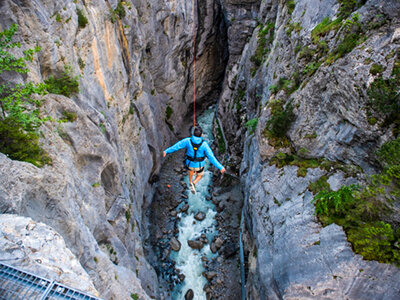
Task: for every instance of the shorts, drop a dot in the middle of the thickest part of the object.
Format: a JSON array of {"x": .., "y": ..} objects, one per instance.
[{"x": 199, "y": 171}]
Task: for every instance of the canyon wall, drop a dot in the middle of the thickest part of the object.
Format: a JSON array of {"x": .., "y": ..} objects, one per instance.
[
  {"x": 133, "y": 61},
  {"x": 289, "y": 254}
]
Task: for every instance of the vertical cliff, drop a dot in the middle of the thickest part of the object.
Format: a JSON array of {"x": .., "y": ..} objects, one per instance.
[
  {"x": 132, "y": 60},
  {"x": 297, "y": 99}
]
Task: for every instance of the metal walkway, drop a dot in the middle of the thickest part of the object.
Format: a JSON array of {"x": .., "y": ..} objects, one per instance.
[{"x": 21, "y": 285}]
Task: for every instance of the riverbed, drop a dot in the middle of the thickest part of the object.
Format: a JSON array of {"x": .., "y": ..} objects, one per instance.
[{"x": 172, "y": 215}]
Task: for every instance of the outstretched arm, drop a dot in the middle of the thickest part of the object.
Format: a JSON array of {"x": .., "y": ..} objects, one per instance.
[
  {"x": 179, "y": 145},
  {"x": 213, "y": 159}
]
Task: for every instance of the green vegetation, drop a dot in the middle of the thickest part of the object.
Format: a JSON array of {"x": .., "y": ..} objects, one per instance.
[
  {"x": 290, "y": 5},
  {"x": 102, "y": 128},
  {"x": 311, "y": 68},
  {"x": 128, "y": 215},
  {"x": 361, "y": 211},
  {"x": 293, "y": 26},
  {"x": 69, "y": 116},
  {"x": 19, "y": 144},
  {"x": 19, "y": 110},
  {"x": 66, "y": 84},
  {"x": 334, "y": 204},
  {"x": 281, "y": 119},
  {"x": 384, "y": 97},
  {"x": 81, "y": 63},
  {"x": 252, "y": 125},
  {"x": 82, "y": 20},
  {"x": 284, "y": 159},
  {"x": 348, "y": 6},
  {"x": 135, "y": 296},
  {"x": 120, "y": 10},
  {"x": 323, "y": 28},
  {"x": 320, "y": 185},
  {"x": 96, "y": 184},
  {"x": 58, "y": 18},
  {"x": 265, "y": 37},
  {"x": 376, "y": 69},
  {"x": 168, "y": 112}
]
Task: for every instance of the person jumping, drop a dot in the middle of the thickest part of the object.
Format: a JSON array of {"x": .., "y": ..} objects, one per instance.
[{"x": 196, "y": 151}]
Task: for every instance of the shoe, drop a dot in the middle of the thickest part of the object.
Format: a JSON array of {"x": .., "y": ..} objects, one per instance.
[{"x": 192, "y": 187}]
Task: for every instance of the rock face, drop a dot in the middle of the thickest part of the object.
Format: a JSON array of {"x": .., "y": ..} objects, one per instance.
[
  {"x": 135, "y": 77},
  {"x": 136, "y": 87},
  {"x": 38, "y": 249},
  {"x": 290, "y": 255}
]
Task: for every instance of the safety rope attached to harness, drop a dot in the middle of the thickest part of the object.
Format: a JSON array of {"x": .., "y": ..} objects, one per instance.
[{"x": 194, "y": 68}]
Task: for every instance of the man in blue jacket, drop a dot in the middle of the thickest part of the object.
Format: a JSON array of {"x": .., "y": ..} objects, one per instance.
[{"x": 196, "y": 151}]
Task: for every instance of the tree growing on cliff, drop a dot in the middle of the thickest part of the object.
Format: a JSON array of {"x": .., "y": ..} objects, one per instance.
[{"x": 19, "y": 109}]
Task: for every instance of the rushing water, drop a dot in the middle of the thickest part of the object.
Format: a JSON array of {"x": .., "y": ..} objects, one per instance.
[{"x": 188, "y": 260}]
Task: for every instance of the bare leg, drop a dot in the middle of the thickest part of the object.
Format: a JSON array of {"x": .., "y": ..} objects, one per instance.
[
  {"x": 191, "y": 172},
  {"x": 197, "y": 179}
]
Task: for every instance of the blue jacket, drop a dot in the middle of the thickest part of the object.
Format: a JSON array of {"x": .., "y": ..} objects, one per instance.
[{"x": 204, "y": 150}]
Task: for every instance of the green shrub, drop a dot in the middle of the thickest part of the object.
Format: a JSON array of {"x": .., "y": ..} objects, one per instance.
[
  {"x": 361, "y": 211},
  {"x": 384, "y": 99},
  {"x": 168, "y": 112},
  {"x": 311, "y": 68},
  {"x": 135, "y": 296},
  {"x": 262, "y": 42},
  {"x": 252, "y": 125},
  {"x": 349, "y": 42},
  {"x": 320, "y": 185},
  {"x": 21, "y": 145},
  {"x": 324, "y": 28},
  {"x": 389, "y": 153},
  {"x": 348, "y": 6},
  {"x": 306, "y": 53},
  {"x": 82, "y": 20},
  {"x": 290, "y": 5},
  {"x": 376, "y": 69},
  {"x": 66, "y": 84},
  {"x": 280, "y": 121},
  {"x": 375, "y": 242},
  {"x": 120, "y": 10},
  {"x": 69, "y": 116},
  {"x": 289, "y": 86},
  {"x": 19, "y": 110},
  {"x": 332, "y": 204}
]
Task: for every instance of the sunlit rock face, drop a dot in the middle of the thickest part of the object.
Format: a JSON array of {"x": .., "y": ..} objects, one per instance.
[
  {"x": 134, "y": 64},
  {"x": 289, "y": 254}
]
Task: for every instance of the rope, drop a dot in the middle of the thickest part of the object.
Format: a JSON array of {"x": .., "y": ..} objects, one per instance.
[{"x": 194, "y": 68}]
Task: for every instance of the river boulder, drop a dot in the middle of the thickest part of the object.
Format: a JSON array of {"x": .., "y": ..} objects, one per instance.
[
  {"x": 195, "y": 244},
  {"x": 175, "y": 244},
  {"x": 200, "y": 216},
  {"x": 189, "y": 294}
]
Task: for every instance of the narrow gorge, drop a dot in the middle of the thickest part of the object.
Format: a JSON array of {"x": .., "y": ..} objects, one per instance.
[{"x": 299, "y": 100}]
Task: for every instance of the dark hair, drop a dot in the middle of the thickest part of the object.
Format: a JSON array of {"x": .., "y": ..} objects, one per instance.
[{"x": 197, "y": 131}]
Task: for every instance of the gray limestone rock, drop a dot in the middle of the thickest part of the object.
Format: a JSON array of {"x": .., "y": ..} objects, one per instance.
[{"x": 37, "y": 248}]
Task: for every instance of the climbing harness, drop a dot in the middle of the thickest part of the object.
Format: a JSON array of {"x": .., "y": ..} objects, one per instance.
[
  {"x": 194, "y": 67},
  {"x": 195, "y": 148},
  {"x": 194, "y": 158}
]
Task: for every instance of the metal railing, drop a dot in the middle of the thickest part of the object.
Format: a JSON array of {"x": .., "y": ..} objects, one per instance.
[{"x": 20, "y": 285}]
